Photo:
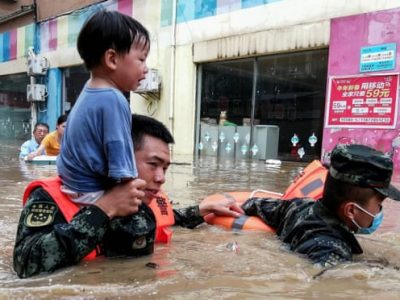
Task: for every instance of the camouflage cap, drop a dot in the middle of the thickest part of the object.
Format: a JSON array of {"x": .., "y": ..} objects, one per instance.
[{"x": 363, "y": 166}]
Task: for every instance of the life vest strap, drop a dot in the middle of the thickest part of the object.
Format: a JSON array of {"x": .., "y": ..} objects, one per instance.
[{"x": 238, "y": 223}]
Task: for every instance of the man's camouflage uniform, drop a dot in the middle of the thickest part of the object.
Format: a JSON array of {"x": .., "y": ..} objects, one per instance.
[
  {"x": 308, "y": 227},
  {"x": 46, "y": 242}
]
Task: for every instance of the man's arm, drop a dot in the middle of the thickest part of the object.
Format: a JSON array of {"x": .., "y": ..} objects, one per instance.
[
  {"x": 38, "y": 151},
  {"x": 46, "y": 242},
  {"x": 24, "y": 151},
  {"x": 325, "y": 250},
  {"x": 192, "y": 216},
  {"x": 271, "y": 211},
  {"x": 188, "y": 217}
]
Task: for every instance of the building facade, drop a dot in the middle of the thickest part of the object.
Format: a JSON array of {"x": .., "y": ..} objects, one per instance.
[{"x": 238, "y": 78}]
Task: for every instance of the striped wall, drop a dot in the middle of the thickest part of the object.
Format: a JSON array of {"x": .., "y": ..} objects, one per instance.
[
  {"x": 61, "y": 32},
  {"x": 14, "y": 43},
  {"x": 188, "y": 10},
  {"x": 57, "y": 33}
]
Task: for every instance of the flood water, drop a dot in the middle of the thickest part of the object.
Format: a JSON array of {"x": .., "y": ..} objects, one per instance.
[{"x": 200, "y": 263}]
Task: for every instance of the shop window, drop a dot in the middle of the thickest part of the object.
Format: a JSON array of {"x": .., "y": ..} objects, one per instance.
[
  {"x": 287, "y": 102},
  {"x": 290, "y": 94},
  {"x": 15, "y": 113},
  {"x": 74, "y": 80},
  {"x": 226, "y": 87}
]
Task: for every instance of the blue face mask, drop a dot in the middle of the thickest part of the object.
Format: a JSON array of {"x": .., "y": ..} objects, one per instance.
[{"x": 375, "y": 223}]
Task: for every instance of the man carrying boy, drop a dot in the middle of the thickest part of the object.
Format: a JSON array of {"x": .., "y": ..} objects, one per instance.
[
  {"x": 357, "y": 182},
  {"x": 117, "y": 224}
]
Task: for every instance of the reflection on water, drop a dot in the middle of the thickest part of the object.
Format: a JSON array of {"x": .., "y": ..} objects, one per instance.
[{"x": 202, "y": 263}]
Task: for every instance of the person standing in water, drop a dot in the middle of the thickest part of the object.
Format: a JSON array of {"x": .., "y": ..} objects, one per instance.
[
  {"x": 51, "y": 143},
  {"x": 39, "y": 132}
]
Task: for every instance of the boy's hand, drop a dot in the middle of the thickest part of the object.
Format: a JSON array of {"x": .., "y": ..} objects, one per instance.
[{"x": 123, "y": 199}]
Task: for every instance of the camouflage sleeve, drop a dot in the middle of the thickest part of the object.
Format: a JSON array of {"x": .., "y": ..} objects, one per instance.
[
  {"x": 271, "y": 211},
  {"x": 325, "y": 250},
  {"x": 188, "y": 217},
  {"x": 45, "y": 242}
]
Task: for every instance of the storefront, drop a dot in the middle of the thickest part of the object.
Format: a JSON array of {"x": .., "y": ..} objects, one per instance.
[
  {"x": 15, "y": 113},
  {"x": 243, "y": 79},
  {"x": 268, "y": 107}
]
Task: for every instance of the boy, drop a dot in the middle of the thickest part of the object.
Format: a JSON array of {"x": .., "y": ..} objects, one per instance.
[
  {"x": 357, "y": 183},
  {"x": 97, "y": 150}
]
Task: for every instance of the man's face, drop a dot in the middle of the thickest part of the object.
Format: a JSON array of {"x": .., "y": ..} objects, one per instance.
[
  {"x": 39, "y": 133},
  {"x": 373, "y": 206},
  {"x": 152, "y": 160}
]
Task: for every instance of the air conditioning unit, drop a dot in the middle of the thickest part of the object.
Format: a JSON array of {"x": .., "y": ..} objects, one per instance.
[
  {"x": 151, "y": 83},
  {"x": 36, "y": 92},
  {"x": 37, "y": 65}
]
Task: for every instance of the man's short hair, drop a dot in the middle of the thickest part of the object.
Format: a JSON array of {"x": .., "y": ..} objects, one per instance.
[
  {"x": 337, "y": 192},
  {"x": 109, "y": 30},
  {"x": 40, "y": 124},
  {"x": 144, "y": 125}
]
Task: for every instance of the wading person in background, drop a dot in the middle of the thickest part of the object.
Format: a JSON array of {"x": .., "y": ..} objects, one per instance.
[
  {"x": 357, "y": 183},
  {"x": 54, "y": 232},
  {"x": 51, "y": 143},
  {"x": 39, "y": 132}
]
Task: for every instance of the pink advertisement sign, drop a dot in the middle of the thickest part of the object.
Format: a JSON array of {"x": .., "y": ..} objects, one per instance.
[
  {"x": 350, "y": 38},
  {"x": 362, "y": 101}
]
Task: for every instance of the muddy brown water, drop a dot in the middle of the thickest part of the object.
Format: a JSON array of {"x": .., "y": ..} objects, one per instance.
[{"x": 201, "y": 263}]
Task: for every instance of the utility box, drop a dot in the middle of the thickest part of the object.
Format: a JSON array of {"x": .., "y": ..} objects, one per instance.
[
  {"x": 37, "y": 65},
  {"x": 266, "y": 137},
  {"x": 36, "y": 92}
]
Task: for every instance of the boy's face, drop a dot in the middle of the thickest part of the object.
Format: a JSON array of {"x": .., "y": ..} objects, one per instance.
[{"x": 131, "y": 68}]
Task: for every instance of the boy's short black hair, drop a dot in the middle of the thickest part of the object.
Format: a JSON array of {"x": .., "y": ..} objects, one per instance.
[
  {"x": 144, "y": 125},
  {"x": 61, "y": 119},
  {"x": 109, "y": 30}
]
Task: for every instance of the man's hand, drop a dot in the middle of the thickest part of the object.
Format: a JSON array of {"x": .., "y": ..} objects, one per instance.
[
  {"x": 223, "y": 207},
  {"x": 123, "y": 199},
  {"x": 31, "y": 156}
]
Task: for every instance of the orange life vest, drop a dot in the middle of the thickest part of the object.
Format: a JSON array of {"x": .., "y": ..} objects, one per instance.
[
  {"x": 310, "y": 184},
  {"x": 160, "y": 206}
]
